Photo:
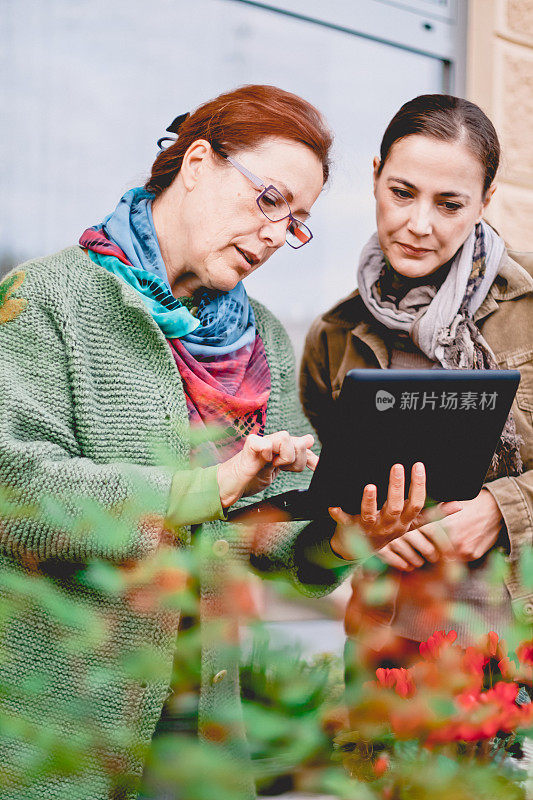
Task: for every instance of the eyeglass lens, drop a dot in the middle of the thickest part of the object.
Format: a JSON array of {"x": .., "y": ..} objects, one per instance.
[
  {"x": 297, "y": 234},
  {"x": 275, "y": 208},
  {"x": 273, "y": 205}
]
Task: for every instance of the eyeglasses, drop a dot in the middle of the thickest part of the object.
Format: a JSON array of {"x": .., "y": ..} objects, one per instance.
[{"x": 275, "y": 208}]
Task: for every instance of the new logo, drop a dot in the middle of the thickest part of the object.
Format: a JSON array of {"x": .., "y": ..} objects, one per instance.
[{"x": 384, "y": 400}]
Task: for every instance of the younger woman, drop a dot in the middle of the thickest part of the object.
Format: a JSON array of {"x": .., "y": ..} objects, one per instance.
[{"x": 438, "y": 288}]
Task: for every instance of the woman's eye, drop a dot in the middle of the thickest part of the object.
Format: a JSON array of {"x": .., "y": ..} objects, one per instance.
[
  {"x": 270, "y": 200},
  {"x": 401, "y": 193}
]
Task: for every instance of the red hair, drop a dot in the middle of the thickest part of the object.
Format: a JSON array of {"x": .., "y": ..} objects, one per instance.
[{"x": 240, "y": 120}]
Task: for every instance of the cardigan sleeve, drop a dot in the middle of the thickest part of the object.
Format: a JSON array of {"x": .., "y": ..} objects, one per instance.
[
  {"x": 299, "y": 550},
  {"x": 194, "y": 498},
  {"x": 54, "y": 502}
]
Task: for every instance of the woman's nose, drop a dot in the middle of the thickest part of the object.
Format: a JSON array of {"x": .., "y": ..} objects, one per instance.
[
  {"x": 274, "y": 233},
  {"x": 420, "y": 223}
]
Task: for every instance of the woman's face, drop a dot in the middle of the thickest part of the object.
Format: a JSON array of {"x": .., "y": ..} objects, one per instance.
[
  {"x": 429, "y": 196},
  {"x": 218, "y": 235}
]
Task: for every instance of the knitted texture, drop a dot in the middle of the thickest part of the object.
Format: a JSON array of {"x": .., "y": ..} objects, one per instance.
[{"x": 90, "y": 396}]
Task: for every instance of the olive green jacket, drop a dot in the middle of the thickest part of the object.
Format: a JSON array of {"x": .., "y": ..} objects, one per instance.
[
  {"x": 94, "y": 434},
  {"x": 348, "y": 337}
]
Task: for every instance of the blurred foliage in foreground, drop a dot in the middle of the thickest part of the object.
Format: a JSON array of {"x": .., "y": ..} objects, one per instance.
[{"x": 451, "y": 725}]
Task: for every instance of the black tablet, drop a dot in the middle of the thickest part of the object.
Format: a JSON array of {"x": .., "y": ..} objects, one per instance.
[{"x": 451, "y": 420}]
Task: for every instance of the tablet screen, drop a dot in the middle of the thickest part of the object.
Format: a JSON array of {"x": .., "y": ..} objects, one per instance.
[{"x": 451, "y": 420}]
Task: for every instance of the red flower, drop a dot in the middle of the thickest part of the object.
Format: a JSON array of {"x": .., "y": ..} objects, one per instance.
[
  {"x": 447, "y": 672},
  {"x": 483, "y": 714},
  {"x": 492, "y": 646},
  {"x": 473, "y": 661},
  {"x": 431, "y": 649},
  {"x": 493, "y": 642},
  {"x": 380, "y": 765},
  {"x": 525, "y": 653},
  {"x": 398, "y": 679},
  {"x": 490, "y": 653},
  {"x": 504, "y": 693},
  {"x": 507, "y": 667}
]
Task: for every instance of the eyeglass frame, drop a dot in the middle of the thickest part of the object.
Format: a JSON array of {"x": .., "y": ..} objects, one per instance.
[{"x": 259, "y": 185}]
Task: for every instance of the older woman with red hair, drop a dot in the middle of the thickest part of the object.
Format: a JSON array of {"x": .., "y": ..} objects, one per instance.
[{"x": 115, "y": 350}]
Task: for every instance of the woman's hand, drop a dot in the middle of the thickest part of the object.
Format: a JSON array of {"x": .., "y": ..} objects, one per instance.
[
  {"x": 395, "y": 518},
  {"x": 414, "y": 548},
  {"x": 466, "y": 535},
  {"x": 260, "y": 460},
  {"x": 392, "y": 520}
]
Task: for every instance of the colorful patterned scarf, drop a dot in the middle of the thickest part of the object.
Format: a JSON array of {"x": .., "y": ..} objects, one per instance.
[
  {"x": 226, "y": 395},
  {"x": 220, "y": 356}
]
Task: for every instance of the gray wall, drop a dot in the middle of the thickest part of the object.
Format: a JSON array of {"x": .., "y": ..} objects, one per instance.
[{"x": 89, "y": 86}]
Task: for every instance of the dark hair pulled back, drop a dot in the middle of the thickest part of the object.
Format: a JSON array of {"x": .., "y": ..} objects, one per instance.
[
  {"x": 240, "y": 120},
  {"x": 450, "y": 119}
]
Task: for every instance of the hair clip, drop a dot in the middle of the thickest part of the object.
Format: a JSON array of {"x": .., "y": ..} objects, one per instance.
[
  {"x": 176, "y": 124},
  {"x": 174, "y": 127},
  {"x": 165, "y": 139}
]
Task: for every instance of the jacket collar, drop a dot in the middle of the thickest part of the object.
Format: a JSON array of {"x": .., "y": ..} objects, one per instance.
[
  {"x": 368, "y": 334},
  {"x": 352, "y": 307},
  {"x": 512, "y": 281}
]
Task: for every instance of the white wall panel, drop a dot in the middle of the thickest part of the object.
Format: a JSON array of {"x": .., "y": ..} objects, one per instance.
[{"x": 89, "y": 85}]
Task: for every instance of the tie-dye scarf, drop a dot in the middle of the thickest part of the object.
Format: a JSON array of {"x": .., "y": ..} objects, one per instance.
[{"x": 220, "y": 356}]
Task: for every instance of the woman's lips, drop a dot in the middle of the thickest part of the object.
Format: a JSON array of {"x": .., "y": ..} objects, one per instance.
[
  {"x": 248, "y": 260},
  {"x": 413, "y": 251}
]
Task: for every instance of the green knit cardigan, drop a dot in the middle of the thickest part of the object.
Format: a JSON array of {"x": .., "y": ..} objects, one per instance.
[{"x": 93, "y": 417}]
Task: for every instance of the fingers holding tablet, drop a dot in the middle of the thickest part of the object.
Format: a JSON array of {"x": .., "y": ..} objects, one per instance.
[
  {"x": 405, "y": 534},
  {"x": 369, "y": 506},
  {"x": 428, "y": 542},
  {"x": 399, "y": 554},
  {"x": 390, "y": 522},
  {"x": 415, "y": 547},
  {"x": 396, "y": 509},
  {"x": 395, "y": 502},
  {"x": 417, "y": 493}
]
